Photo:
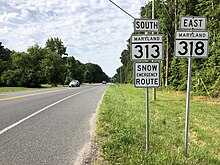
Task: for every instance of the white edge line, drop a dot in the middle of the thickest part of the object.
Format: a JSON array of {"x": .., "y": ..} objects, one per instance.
[{"x": 41, "y": 110}]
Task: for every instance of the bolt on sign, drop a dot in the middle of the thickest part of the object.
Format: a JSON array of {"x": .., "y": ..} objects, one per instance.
[
  {"x": 146, "y": 25},
  {"x": 191, "y": 44},
  {"x": 192, "y": 23},
  {"x": 147, "y": 74},
  {"x": 147, "y": 47}
]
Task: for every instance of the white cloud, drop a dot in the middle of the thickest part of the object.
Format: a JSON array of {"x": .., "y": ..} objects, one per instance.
[{"x": 93, "y": 30}]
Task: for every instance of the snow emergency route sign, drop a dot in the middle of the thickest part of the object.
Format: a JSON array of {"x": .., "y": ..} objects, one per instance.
[{"x": 147, "y": 74}]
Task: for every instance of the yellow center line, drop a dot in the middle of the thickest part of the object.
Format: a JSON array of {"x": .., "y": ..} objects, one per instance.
[{"x": 33, "y": 94}]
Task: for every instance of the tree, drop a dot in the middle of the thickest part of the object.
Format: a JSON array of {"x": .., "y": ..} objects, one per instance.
[
  {"x": 56, "y": 45},
  {"x": 79, "y": 71},
  {"x": 173, "y": 69},
  {"x": 12, "y": 78},
  {"x": 97, "y": 74},
  {"x": 26, "y": 69},
  {"x": 53, "y": 68},
  {"x": 5, "y": 61},
  {"x": 70, "y": 69},
  {"x": 17, "y": 76},
  {"x": 5, "y": 54},
  {"x": 88, "y": 77},
  {"x": 44, "y": 65}
]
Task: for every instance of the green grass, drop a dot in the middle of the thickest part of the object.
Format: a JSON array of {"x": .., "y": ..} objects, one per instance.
[
  {"x": 121, "y": 128},
  {"x": 15, "y": 89}
]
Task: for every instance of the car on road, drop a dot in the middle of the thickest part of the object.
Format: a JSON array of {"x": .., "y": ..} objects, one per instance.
[
  {"x": 103, "y": 82},
  {"x": 74, "y": 83}
]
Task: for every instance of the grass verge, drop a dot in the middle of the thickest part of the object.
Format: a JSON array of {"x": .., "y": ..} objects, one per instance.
[
  {"x": 15, "y": 89},
  {"x": 121, "y": 128}
]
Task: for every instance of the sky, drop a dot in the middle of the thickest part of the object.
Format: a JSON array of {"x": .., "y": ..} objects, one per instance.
[{"x": 93, "y": 31}]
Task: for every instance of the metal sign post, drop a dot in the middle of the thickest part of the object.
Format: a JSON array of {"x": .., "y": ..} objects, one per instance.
[
  {"x": 147, "y": 122},
  {"x": 147, "y": 75},
  {"x": 147, "y": 47},
  {"x": 188, "y": 104},
  {"x": 192, "y": 43}
]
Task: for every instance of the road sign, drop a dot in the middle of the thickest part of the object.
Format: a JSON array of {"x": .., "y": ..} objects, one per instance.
[
  {"x": 147, "y": 47},
  {"x": 146, "y": 25},
  {"x": 191, "y": 44},
  {"x": 192, "y": 23},
  {"x": 147, "y": 74}
]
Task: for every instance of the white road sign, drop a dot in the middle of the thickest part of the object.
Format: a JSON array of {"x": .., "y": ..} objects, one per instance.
[
  {"x": 191, "y": 44},
  {"x": 147, "y": 47},
  {"x": 146, "y": 25},
  {"x": 147, "y": 74},
  {"x": 192, "y": 23}
]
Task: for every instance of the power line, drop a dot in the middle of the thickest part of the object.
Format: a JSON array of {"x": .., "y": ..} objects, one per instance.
[
  {"x": 142, "y": 2},
  {"x": 168, "y": 17},
  {"x": 167, "y": 11},
  {"x": 121, "y": 9}
]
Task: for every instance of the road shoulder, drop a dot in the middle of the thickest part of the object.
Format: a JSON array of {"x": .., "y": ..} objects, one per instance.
[{"x": 89, "y": 153}]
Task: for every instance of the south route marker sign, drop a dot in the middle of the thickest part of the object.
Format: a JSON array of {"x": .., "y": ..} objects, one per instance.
[
  {"x": 147, "y": 74},
  {"x": 147, "y": 47},
  {"x": 191, "y": 44},
  {"x": 146, "y": 25}
]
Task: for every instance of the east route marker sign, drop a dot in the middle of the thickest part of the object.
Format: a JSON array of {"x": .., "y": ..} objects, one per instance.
[{"x": 193, "y": 23}]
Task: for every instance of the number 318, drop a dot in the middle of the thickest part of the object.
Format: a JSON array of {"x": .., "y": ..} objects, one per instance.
[{"x": 199, "y": 48}]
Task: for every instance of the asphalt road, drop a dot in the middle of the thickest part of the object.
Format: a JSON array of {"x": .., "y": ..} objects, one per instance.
[{"x": 46, "y": 126}]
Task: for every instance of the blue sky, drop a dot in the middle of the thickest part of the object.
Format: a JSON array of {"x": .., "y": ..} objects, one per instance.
[{"x": 92, "y": 30}]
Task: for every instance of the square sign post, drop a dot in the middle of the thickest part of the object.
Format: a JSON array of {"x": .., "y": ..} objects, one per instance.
[
  {"x": 192, "y": 43},
  {"x": 146, "y": 47}
]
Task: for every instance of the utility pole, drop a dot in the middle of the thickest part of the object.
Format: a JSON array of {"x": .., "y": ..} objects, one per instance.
[
  {"x": 120, "y": 75},
  {"x": 167, "y": 61},
  {"x": 153, "y": 4},
  {"x": 175, "y": 4}
]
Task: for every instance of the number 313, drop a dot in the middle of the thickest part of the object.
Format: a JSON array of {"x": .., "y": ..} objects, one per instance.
[{"x": 143, "y": 49}]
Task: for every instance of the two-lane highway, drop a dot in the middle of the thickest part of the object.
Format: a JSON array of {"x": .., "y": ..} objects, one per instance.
[{"x": 48, "y": 126}]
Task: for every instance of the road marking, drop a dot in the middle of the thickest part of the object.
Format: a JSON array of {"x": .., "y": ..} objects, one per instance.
[
  {"x": 41, "y": 110},
  {"x": 33, "y": 94}
]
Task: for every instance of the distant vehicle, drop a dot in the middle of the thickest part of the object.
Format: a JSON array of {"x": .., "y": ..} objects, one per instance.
[
  {"x": 74, "y": 83},
  {"x": 103, "y": 82}
]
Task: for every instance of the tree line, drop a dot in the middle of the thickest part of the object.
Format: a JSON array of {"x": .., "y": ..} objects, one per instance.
[
  {"x": 45, "y": 65},
  {"x": 205, "y": 72}
]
